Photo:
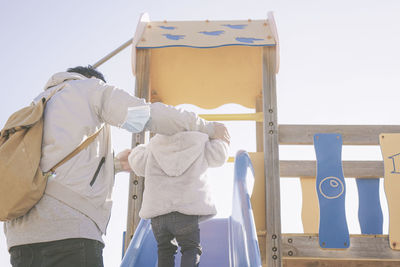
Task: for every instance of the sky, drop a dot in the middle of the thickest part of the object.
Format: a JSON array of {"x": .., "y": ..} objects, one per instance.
[{"x": 339, "y": 64}]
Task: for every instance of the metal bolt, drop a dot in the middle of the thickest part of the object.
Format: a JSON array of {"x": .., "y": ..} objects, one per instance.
[
  {"x": 270, "y": 110},
  {"x": 271, "y": 132},
  {"x": 134, "y": 197},
  {"x": 135, "y": 182},
  {"x": 290, "y": 240},
  {"x": 271, "y": 123},
  {"x": 274, "y": 249},
  {"x": 274, "y": 236},
  {"x": 274, "y": 257},
  {"x": 290, "y": 253}
]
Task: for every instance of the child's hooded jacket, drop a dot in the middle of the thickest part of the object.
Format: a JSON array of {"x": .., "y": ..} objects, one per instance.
[{"x": 174, "y": 168}]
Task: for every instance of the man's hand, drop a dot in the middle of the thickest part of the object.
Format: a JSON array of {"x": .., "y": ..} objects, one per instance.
[
  {"x": 121, "y": 161},
  {"x": 221, "y": 132}
]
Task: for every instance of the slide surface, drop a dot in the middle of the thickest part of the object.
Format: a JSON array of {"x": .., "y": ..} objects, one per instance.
[{"x": 226, "y": 242}]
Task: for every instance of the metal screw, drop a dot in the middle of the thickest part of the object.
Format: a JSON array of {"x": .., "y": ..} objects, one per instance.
[
  {"x": 270, "y": 110},
  {"x": 274, "y": 249},
  {"x": 271, "y": 132},
  {"x": 290, "y": 240},
  {"x": 323, "y": 244},
  {"x": 135, "y": 182},
  {"x": 290, "y": 253},
  {"x": 271, "y": 123},
  {"x": 134, "y": 197},
  {"x": 274, "y": 257},
  {"x": 274, "y": 236}
]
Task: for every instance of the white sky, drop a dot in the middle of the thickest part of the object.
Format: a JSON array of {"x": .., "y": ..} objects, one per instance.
[{"x": 340, "y": 64}]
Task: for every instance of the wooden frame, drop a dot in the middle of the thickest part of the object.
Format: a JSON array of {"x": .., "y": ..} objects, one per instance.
[
  {"x": 136, "y": 184},
  {"x": 271, "y": 160}
]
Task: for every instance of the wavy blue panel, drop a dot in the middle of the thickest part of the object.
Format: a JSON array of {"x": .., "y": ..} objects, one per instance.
[
  {"x": 331, "y": 190},
  {"x": 226, "y": 242},
  {"x": 369, "y": 207}
]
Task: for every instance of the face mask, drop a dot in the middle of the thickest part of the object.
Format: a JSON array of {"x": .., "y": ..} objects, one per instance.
[{"x": 136, "y": 118}]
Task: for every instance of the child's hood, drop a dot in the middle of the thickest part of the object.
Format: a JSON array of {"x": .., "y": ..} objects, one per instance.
[{"x": 176, "y": 153}]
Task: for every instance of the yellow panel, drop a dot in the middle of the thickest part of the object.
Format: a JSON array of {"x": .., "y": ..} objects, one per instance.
[
  {"x": 258, "y": 196},
  {"x": 310, "y": 208},
  {"x": 390, "y": 147},
  {"x": 207, "y": 78},
  {"x": 207, "y": 34}
]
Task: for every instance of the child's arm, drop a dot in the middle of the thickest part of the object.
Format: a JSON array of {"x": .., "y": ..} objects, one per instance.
[
  {"x": 137, "y": 159},
  {"x": 216, "y": 152}
]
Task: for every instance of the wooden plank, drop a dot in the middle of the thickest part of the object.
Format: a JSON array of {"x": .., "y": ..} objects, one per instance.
[
  {"x": 371, "y": 247},
  {"x": 351, "y": 134},
  {"x": 390, "y": 146},
  {"x": 271, "y": 160},
  {"x": 309, "y": 207},
  {"x": 351, "y": 169},
  {"x": 287, "y": 262},
  {"x": 136, "y": 184}
]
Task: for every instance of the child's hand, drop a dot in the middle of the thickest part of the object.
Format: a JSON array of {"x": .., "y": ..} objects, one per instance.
[
  {"x": 221, "y": 132},
  {"x": 121, "y": 161}
]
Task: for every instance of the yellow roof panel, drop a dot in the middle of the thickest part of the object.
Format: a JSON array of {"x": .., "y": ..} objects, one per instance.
[{"x": 206, "y": 34}]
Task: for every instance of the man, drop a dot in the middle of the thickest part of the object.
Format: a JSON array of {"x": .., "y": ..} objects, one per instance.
[{"x": 65, "y": 227}]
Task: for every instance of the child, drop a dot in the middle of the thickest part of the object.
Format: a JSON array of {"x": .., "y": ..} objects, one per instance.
[{"x": 176, "y": 193}]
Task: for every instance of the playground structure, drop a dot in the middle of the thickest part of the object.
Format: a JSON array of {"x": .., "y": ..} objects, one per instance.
[{"x": 211, "y": 63}]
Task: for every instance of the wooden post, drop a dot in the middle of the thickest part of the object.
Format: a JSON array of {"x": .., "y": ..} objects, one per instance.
[
  {"x": 136, "y": 184},
  {"x": 271, "y": 159}
]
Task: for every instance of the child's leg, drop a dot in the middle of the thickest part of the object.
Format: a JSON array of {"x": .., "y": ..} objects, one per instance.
[
  {"x": 166, "y": 244},
  {"x": 187, "y": 233}
]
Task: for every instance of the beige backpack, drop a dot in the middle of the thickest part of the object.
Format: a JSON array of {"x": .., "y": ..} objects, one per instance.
[{"x": 22, "y": 182}]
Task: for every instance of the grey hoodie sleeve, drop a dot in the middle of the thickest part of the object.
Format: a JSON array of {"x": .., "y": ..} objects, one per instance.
[
  {"x": 168, "y": 120},
  {"x": 216, "y": 152},
  {"x": 137, "y": 160},
  {"x": 111, "y": 104}
]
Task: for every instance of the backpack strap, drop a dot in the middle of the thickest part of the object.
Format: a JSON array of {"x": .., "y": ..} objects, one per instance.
[{"x": 81, "y": 147}]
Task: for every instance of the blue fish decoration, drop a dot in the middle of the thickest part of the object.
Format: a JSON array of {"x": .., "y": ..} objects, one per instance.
[
  {"x": 215, "y": 33},
  {"x": 247, "y": 40},
  {"x": 237, "y": 27},
  {"x": 174, "y": 37},
  {"x": 167, "y": 27}
]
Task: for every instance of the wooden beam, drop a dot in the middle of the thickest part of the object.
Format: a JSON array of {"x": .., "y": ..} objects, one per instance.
[
  {"x": 366, "y": 247},
  {"x": 351, "y": 134},
  {"x": 351, "y": 169},
  {"x": 287, "y": 262},
  {"x": 271, "y": 160},
  {"x": 136, "y": 184}
]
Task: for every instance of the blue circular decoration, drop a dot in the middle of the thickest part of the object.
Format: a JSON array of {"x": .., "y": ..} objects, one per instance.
[{"x": 331, "y": 187}]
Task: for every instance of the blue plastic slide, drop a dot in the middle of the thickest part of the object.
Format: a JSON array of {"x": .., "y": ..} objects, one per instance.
[{"x": 226, "y": 242}]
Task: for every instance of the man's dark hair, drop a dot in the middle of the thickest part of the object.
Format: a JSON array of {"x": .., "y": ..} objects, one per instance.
[{"x": 88, "y": 72}]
